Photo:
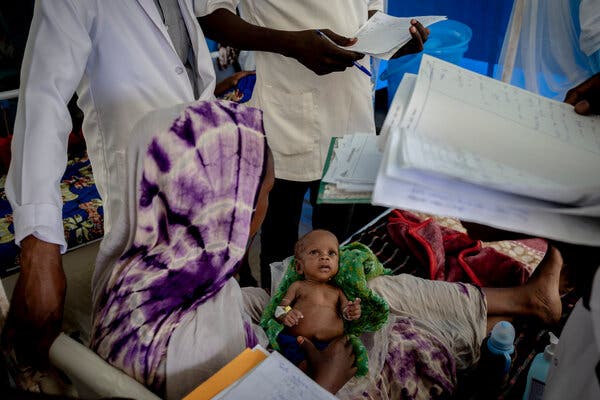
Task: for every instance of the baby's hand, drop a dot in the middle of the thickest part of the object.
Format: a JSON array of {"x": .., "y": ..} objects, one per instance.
[
  {"x": 352, "y": 310},
  {"x": 292, "y": 318}
]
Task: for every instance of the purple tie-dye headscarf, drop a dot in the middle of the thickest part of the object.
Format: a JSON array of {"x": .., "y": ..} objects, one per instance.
[{"x": 194, "y": 202}]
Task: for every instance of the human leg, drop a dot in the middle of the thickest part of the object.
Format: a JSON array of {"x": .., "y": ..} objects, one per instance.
[
  {"x": 538, "y": 298},
  {"x": 461, "y": 314},
  {"x": 335, "y": 218},
  {"x": 453, "y": 313},
  {"x": 279, "y": 231}
]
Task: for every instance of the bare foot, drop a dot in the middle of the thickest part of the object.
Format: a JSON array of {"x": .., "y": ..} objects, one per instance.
[{"x": 543, "y": 288}]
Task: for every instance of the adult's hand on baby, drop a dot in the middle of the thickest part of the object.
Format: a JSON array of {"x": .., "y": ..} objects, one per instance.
[
  {"x": 292, "y": 318},
  {"x": 352, "y": 310},
  {"x": 331, "y": 367}
]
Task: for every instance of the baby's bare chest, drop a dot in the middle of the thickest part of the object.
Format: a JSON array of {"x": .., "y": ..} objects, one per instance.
[{"x": 323, "y": 296}]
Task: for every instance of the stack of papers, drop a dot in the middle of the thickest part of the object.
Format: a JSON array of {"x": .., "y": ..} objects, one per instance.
[
  {"x": 350, "y": 169},
  {"x": 383, "y": 35},
  {"x": 464, "y": 145},
  {"x": 256, "y": 374}
]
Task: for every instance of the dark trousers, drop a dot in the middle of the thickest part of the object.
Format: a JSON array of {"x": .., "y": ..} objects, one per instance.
[{"x": 279, "y": 231}]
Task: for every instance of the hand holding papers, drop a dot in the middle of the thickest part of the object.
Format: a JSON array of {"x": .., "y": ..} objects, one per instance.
[
  {"x": 480, "y": 150},
  {"x": 383, "y": 35}
]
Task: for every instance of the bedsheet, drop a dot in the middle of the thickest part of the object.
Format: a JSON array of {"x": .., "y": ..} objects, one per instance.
[{"x": 82, "y": 213}]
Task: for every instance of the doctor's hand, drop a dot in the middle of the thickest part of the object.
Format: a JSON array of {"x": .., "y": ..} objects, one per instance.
[
  {"x": 331, "y": 367},
  {"x": 419, "y": 35},
  {"x": 318, "y": 54},
  {"x": 36, "y": 309},
  {"x": 586, "y": 96}
]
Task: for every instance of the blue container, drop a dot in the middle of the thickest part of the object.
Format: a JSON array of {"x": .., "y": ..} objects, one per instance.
[{"x": 448, "y": 40}]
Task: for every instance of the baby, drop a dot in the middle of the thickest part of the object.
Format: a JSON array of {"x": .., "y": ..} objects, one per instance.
[{"x": 313, "y": 307}]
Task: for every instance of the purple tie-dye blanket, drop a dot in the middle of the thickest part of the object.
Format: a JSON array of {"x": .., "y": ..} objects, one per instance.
[{"x": 194, "y": 202}]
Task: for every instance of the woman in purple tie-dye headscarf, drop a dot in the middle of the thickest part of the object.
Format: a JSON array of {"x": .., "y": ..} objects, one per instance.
[
  {"x": 169, "y": 313},
  {"x": 164, "y": 295}
]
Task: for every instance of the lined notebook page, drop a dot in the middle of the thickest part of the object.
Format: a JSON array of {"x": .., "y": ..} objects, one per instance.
[
  {"x": 273, "y": 379},
  {"x": 514, "y": 140}
]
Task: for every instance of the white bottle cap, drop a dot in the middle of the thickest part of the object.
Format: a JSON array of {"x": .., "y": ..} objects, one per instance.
[{"x": 550, "y": 349}]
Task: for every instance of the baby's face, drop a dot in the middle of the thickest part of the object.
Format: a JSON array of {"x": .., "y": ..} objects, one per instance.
[{"x": 319, "y": 259}]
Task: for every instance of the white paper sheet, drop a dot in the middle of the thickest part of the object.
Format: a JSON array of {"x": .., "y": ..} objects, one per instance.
[
  {"x": 524, "y": 143},
  {"x": 397, "y": 108},
  {"x": 354, "y": 164},
  {"x": 442, "y": 196},
  {"x": 273, "y": 379},
  {"x": 383, "y": 33}
]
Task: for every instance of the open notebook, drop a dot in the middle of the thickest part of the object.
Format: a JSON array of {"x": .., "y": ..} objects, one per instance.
[
  {"x": 464, "y": 145},
  {"x": 256, "y": 374}
]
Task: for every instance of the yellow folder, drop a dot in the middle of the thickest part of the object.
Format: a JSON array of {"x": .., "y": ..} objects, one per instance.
[{"x": 230, "y": 373}]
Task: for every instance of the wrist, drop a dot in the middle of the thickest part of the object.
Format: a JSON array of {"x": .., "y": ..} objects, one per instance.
[
  {"x": 38, "y": 252},
  {"x": 281, "y": 311},
  {"x": 325, "y": 382},
  {"x": 290, "y": 44}
]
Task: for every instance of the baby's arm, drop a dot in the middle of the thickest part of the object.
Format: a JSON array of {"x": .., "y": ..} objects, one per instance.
[
  {"x": 284, "y": 313},
  {"x": 350, "y": 309}
]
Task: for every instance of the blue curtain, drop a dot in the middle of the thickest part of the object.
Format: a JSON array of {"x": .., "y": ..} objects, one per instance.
[{"x": 487, "y": 19}]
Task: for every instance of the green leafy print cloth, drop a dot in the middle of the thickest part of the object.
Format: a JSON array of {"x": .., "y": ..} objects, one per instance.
[{"x": 358, "y": 264}]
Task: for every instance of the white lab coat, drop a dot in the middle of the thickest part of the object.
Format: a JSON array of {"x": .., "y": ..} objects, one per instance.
[
  {"x": 302, "y": 110},
  {"x": 120, "y": 59},
  {"x": 572, "y": 374}
]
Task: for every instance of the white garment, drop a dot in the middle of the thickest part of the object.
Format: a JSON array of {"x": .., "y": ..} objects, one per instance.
[
  {"x": 589, "y": 19},
  {"x": 572, "y": 373},
  {"x": 120, "y": 59},
  {"x": 548, "y": 58},
  {"x": 196, "y": 352},
  {"x": 302, "y": 110}
]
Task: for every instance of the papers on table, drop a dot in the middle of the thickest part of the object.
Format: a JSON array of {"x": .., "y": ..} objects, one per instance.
[
  {"x": 470, "y": 147},
  {"x": 256, "y": 374},
  {"x": 351, "y": 169},
  {"x": 383, "y": 35}
]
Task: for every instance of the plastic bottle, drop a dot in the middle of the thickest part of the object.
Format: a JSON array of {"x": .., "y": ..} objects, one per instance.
[
  {"x": 497, "y": 355},
  {"x": 538, "y": 371}
]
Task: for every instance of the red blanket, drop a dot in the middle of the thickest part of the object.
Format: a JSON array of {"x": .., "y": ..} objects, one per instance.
[{"x": 453, "y": 256}]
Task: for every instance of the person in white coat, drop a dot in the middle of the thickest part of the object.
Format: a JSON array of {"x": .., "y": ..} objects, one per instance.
[
  {"x": 124, "y": 59},
  {"x": 302, "y": 112}
]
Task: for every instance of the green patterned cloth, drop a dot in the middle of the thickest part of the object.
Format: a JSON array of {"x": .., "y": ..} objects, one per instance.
[{"x": 358, "y": 264}]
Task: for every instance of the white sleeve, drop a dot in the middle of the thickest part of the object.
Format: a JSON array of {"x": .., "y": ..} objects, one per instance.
[
  {"x": 376, "y": 5},
  {"x": 589, "y": 18},
  {"x": 205, "y": 7},
  {"x": 54, "y": 61}
]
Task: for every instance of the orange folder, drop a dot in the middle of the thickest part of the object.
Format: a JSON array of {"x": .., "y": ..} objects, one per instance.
[{"x": 230, "y": 373}]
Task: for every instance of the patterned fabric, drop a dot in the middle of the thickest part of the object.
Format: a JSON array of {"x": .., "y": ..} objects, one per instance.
[
  {"x": 242, "y": 92},
  {"x": 82, "y": 213},
  {"x": 531, "y": 337},
  {"x": 358, "y": 264},
  {"x": 194, "y": 203},
  {"x": 452, "y": 255},
  {"x": 417, "y": 367}
]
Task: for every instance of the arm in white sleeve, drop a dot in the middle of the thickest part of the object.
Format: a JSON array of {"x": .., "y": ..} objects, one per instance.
[
  {"x": 55, "y": 58},
  {"x": 205, "y": 7},
  {"x": 589, "y": 18}
]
